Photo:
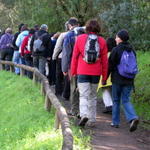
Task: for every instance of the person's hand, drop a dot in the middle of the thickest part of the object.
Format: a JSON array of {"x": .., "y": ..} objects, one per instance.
[
  {"x": 48, "y": 58},
  {"x": 65, "y": 73},
  {"x": 103, "y": 82}
]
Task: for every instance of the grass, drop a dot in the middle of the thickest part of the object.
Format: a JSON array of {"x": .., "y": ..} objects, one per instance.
[
  {"x": 24, "y": 124},
  {"x": 141, "y": 97}
]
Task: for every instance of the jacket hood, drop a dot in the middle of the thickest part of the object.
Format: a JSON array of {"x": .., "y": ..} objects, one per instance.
[
  {"x": 126, "y": 46},
  {"x": 25, "y": 33},
  {"x": 40, "y": 32}
]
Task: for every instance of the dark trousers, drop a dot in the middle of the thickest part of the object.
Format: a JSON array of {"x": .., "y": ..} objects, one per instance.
[
  {"x": 6, "y": 54},
  {"x": 66, "y": 90},
  {"x": 74, "y": 96},
  {"x": 59, "y": 78},
  {"x": 29, "y": 62},
  {"x": 52, "y": 72}
]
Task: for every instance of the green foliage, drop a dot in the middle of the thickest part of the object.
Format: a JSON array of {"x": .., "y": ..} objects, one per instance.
[
  {"x": 114, "y": 15},
  {"x": 25, "y": 125},
  {"x": 142, "y": 85},
  {"x": 132, "y": 16}
]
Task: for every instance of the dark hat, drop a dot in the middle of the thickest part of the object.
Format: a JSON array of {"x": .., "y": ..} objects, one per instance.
[
  {"x": 123, "y": 35},
  {"x": 73, "y": 21}
]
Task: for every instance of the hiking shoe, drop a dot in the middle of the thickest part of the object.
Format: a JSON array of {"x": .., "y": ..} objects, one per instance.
[
  {"x": 83, "y": 121},
  {"x": 108, "y": 110},
  {"x": 114, "y": 125},
  {"x": 133, "y": 125}
]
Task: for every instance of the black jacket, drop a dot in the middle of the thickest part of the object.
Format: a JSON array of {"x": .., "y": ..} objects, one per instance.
[
  {"x": 114, "y": 61},
  {"x": 46, "y": 42},
  {"x": 15, "y": 47}
]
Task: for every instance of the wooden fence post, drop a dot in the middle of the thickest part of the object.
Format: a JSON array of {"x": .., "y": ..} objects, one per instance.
[
  {"x": 42, "y": 88},
  {"x": 22, "y": 72},
  {"x": 3, "y": 66},
  {"x": 0, "y": 66},
  {"x": 11, "y": 68},
  {"x": 34, "y": 77},
  {"x": 48, "y": 104},
  {"x": 57, "y": 120}
]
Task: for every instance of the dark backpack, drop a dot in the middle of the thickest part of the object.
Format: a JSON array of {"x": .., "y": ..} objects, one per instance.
[
  {"x": 92, "y": 49},
  {"x": 38, "y": 43},
  {"x": 128, "y": 65}
]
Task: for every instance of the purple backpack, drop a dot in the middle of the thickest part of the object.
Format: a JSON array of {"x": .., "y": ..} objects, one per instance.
[{"x": 128, "y": 65}]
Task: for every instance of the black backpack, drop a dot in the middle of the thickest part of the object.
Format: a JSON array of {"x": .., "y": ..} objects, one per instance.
[
  {"x": 38, "y": 43},
  {"x": 92, "y": 49}
]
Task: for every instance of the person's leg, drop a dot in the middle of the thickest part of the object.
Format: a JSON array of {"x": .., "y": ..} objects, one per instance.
[
  {"x": 59, "y": 78},
  {"x": 128, "y": 107},
  {"x": 3, "y": 56},
  {"x": 53, "y": 72},
  {"x": 116, "y": 94},
  {"x": 107, "y": 99},
  {"x": 29, "y": 62},
  {"x": 42, "y": 64},
  {"x": 16, "y": 57},
  {"x": 74, "y": 96},
  {"x": 84, "y": 90},
  {"x": 92, "y": 101},
  {"x": 66, "y": 90},
  {"x": 36, "y": 62},
  {"x": 9, "y": 55},
  {"x": 49, "y": 76}
]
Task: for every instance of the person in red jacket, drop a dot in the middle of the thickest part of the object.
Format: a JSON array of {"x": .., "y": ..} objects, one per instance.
[
  {"x": 89, "y": 73},
  {"x": 26, "y": 51}
]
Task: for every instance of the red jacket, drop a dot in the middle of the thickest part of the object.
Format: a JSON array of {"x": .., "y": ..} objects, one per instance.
[
  {"x": 24, "y": 45},
  {"x": 80, "y": 67}
]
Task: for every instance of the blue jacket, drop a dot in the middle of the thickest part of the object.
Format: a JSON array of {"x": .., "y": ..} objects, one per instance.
[
  {"x": 67, "y": 50},
  {"x": 20, "y": 37}
]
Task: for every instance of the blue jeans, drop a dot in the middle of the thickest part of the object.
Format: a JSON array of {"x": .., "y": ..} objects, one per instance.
[
  {"x": 16, "y": 60},
  {"x": 122, "y": 93}
]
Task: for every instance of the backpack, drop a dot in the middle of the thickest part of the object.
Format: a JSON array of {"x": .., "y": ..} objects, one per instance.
[
  {"x": 128, "y": 65},
  {"x": 38, "y": 43},
  {"x": 92, "y": 49}
]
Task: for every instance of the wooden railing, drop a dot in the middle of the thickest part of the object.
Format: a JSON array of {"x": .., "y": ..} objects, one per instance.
[{"x": 61, "y": 117}]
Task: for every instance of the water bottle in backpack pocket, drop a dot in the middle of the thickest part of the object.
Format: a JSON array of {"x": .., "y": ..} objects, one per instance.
[
  {"x": 92, "y": 49},
  {"x": 128, "y": 65}
]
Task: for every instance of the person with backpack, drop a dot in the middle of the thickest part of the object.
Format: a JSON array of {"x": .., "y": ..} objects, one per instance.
[
  {"x": 52, "y": 63},
  {"x": 89, "y": 62},
  {"x": 6, "y": 49},
  {"x": 20, "y": 38},
  {"x": 26, "y": 51},
  {"x": 16, "y": 55},
  {"x": 67, "y": 50},
  {"x": 123, "y": 68},
  {"x": 107, "y": 89},
  {"x": 41, "y": 48}
]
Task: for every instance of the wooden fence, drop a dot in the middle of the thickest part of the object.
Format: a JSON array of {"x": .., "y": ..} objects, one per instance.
[{"x": 61, "y": 117}]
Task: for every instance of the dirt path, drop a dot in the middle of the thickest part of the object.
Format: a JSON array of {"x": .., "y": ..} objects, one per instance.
[{"x": 104, "y": 137}]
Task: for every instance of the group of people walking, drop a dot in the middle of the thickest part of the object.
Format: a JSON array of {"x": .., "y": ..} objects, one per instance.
[{"x": 76, "y": 61}]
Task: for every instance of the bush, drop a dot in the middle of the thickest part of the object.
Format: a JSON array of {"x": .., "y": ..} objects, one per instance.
[{"x": 131, "y": 16}]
